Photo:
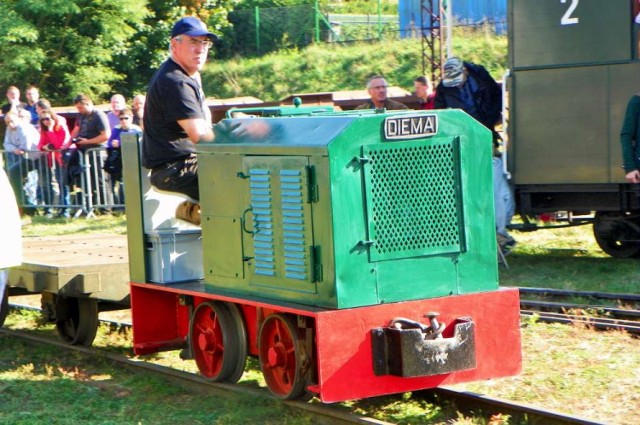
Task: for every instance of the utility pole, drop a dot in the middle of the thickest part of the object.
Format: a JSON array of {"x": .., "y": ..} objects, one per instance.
[{"x": 431, "y": 18}]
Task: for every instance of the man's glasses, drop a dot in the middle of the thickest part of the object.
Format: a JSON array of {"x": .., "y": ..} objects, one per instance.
[
  {"x": 126, "y": 117},
  {"x": 194, "y": 42}
]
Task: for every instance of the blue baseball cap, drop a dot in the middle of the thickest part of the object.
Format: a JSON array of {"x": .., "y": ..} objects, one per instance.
[{"x": 193, "y": 27}]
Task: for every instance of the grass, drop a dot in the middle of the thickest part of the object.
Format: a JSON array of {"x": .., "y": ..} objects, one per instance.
[
  {"x": 322, "y": 68},
  {"x": 42, "y": 385},
  {"x": 568, "y": 258},
  {"x": 41, "y": 226},
  {"x": 576, "y": 370},
  {"x": 572, "y": 369}
]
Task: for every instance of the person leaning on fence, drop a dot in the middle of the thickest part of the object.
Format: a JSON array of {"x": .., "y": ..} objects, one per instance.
[
  {"x": 176, "y": 117},
  {"x": 377, "y": 88},
  {"x": 39, "y": 179},
  {"x": 113, "y": 162},
  {"x": 91, "y": 131},
  {"x": 470, "y": 87},
  {"x": 21, "y": 145},
  {"x": 54, "y": 136}
]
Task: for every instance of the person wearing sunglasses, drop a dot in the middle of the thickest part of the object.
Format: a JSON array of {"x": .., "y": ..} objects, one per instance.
[
  {"x": 54, "y": 135},
  {"x": 113, "y": 162},
  {"x": 21, "y": 145}
]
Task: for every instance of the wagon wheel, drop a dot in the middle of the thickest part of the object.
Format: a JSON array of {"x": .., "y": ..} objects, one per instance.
[
  {"x": 76, "y": 320},
  {"x": 280, "y": 357},
  {"x": 617, "y": 235},
  {"x": 4, "y": 305},
  {"x": 218, "y": 341}
]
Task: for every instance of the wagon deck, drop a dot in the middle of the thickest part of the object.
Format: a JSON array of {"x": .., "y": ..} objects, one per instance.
[{"x": 75, "y": 265}]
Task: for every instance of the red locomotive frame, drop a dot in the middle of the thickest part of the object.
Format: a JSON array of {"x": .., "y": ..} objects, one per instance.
[{"x": 325, "y": 352}]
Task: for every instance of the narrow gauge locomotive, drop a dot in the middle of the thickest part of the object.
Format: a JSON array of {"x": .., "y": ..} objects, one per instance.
[
  {"x": 353, "y": 254},
  {"x": 573, "y": 68}
]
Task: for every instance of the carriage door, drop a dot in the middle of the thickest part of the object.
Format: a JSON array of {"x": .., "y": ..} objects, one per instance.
[{"x": 280, "y": 224}]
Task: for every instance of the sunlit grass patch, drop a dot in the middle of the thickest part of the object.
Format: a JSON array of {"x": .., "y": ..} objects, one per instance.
[
  {"x": 109, "y": 224},
  {"x": 576, "y": 370}
]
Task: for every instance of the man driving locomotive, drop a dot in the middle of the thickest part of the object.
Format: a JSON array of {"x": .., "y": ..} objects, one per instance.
[{"x": 175, "y": 115}]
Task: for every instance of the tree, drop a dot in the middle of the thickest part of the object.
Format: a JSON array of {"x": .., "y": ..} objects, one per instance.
[
  {"x": 66, "y": 46},
  {"x": 148, "y": 47},
  {"x": 96, "y": 47}
]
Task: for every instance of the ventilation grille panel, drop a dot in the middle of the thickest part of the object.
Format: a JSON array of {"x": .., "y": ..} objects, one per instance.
[{"x": 413, "y": 199}]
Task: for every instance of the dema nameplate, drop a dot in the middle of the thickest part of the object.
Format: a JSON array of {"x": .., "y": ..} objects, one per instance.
[{"x": 406, "y": 127}]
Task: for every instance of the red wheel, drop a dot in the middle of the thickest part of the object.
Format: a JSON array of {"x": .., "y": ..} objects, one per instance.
[
  {"x": 280, "y": 358},
  {"x": 214, "y": 343}
]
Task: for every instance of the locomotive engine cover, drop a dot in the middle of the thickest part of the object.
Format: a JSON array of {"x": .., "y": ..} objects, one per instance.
[{"x": 342, "y": 210}]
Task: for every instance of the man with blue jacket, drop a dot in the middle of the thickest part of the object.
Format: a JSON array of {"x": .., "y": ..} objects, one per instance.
[{"x": 469, "y": 87}]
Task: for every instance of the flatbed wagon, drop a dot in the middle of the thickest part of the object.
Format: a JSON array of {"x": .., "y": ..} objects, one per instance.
[{"x": 78, "y": 276}]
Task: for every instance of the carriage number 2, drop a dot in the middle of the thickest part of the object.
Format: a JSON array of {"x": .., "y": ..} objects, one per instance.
[{"x": 567, "y": 19}]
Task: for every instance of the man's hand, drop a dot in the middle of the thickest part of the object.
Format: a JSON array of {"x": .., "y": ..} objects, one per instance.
[
  {"x": 633, "y": 176},
  {"x": 255, "y": 129}
]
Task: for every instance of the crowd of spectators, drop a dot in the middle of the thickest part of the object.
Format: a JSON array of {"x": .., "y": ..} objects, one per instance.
[{"x": 42, "y": 155}]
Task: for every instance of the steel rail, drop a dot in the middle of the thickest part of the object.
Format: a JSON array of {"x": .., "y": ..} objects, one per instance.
[
  {"x": 611, "y": 312},
  {"x": 632, "y": 298},
  {"x": 326, "y": 413},
  {"x": 600, "y": 323},
  {"x": 520, "y": 413}
]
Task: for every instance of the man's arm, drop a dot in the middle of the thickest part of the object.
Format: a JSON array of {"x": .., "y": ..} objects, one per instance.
[
  {"x": 75, "y": 131},
  {"x": 105, "y": 132},
  {"x": 100, "y": 138},
  {"x": 197, "y": 129}
]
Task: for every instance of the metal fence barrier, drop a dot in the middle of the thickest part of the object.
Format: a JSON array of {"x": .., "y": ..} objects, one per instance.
[{"x": 67, "y": 183}]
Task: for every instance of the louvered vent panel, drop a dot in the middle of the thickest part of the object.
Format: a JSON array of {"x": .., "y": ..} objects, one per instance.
[
  {"x": 296, "y": 258},
  {"x": 262, "y": 206}
]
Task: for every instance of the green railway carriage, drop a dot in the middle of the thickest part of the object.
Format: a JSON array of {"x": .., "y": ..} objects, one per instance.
[
  {"x": 352, "y": 253},
  {"x": 573, "y": 67}
]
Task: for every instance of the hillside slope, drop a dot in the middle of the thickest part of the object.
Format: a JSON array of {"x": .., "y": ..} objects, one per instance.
[{"x": 333, "y": 67}]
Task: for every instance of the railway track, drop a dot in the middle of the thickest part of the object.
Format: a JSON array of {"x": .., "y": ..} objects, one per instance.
[
  {"x": 620, "y": 298},
  {"x": 321, "y": 413},
  {"x": 598, "y": 316},
  {"x": 518, "y": 413},
  {"x": 463, "y": 400}
]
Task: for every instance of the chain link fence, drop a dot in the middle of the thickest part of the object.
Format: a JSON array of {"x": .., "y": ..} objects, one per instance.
[
  {"x": 262, "y": 30},
  {"x": 257, "y": 31},
  {"x": 66, "y": 183}
]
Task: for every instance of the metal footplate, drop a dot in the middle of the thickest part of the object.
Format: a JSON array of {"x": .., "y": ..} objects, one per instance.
[{"x": 408, "y": 348}]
